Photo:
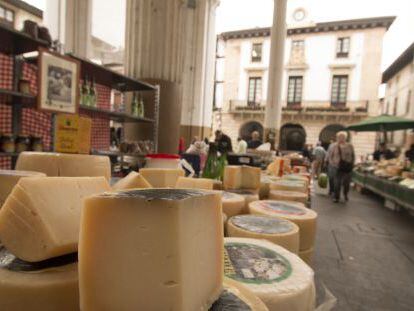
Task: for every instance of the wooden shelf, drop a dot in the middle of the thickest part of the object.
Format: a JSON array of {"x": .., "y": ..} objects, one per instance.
[
  {"x": 117, "y": 154},
  {"x": 116, "y": 116},
  {"x": 14, "y": 42},
  {"x": 10, "y": 97}
]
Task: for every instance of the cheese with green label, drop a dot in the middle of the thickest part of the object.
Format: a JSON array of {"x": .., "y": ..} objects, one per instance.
[
  {"x": 307, "y": 255},
  {"x": 162, "y": 177},
  {"x": 241, "y": 177},
  {"x": 166, "y": 245},
  {"x": 233, "y": 204},
  {"x": 194, "y": 183},
  {"x": 295, "y": 212},
  {"x": 277, "y": 230},
  {"x": 40, "y": 218},
  {"x": 9, "y": 178},
  {"x": 282, "y": 195},
  {"x": 41, "y": 286},
  {"x": 275, "y": 275},
  {"x": 133, "y": 180}
]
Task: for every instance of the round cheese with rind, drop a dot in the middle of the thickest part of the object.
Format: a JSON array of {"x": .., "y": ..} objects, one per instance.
[
  {"x": 278, "y": 277},
  {"x": 41, "y": 286},
  {"x": 296, "y": 212},
  {"x": 295, "y": 196},
  {"x": 236, "y": 297},
  {"x": 307, "y": 255},
  {"x": 277, "y": 230},
  {"x": 289, "y": 185},
  {"x": 233, "y": 204},
  {"x": 250, "y": 195}
]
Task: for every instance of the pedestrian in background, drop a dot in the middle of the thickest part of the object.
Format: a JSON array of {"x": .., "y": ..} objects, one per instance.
[
  {"x": 331, "y": 170},
  {"x": 319, "y": 155},
  {"x": 241, "y": 146},
  {"x": 223, "y": 142},
  {"x": 255, "y": 141}
]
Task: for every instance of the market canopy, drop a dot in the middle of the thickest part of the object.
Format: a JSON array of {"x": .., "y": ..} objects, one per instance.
[{"x": 382, "y": 123}]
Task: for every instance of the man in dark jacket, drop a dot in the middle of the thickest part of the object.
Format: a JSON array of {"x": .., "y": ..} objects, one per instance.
[
  {"x": 383, "y": 151},
  {"x": 223, "y": 142}
]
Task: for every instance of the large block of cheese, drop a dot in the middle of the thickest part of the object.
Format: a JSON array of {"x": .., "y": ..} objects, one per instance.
[
  {"x": 295, "y": 212},
  {"x": 277, "y": 230},
  {"x": 9, "y": 178},
  {"x": 133, "y": 180},
  {"x": 40, "y": 218},
  {"x": 161, "y": 177},
  {"x": 42, "y": 286},
  {"x": 233, "y": 204},
  {"x": 280, "y": 195},
  {"x": 241, "y": 177},
  {"x": 65, "y": 165},
  {"x": 278, "y": 277},
  {"x": 195, "y": 183},
  {"x": 151, "y": 249}
]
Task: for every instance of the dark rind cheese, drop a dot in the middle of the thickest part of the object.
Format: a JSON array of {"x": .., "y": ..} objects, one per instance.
[{"x": 229, "y": 302}]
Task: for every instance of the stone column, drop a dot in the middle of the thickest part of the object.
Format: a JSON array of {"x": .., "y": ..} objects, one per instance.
[{"x": 273, "y": 114}]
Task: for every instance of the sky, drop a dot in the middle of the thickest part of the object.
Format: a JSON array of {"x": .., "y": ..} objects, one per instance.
[{"x": 108, "y": 19}]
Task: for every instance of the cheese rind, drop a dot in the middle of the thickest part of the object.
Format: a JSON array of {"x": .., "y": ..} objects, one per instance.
[
  {"x": 278, "y": 277},
  {"x": 44, "y": 286},
  {"x": 194, "y": 183},
  {"x": 289, "y": 185},
  {"x": 250, "y": 195},
  {"x": 133, "y": 180},
  {"x": 168, "y": 245},
  {"x": 295, "y": 196},
  {"x": 9, "y": 178},
  {"x": 241, "y": 177},
  {"x": 233, "y": 204},
  {"x": 40, "y": 218},
  {"x": 276, "y": 230},
  {"x": 293, "y": 211},
  {"x": 161, "y": 177}
]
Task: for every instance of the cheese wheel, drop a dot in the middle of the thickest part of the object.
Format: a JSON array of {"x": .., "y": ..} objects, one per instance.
[
  {"x": 236, "y": 297},
  {"x": 162, "y": 177},
  {"x": 307, "y": 255},
  {"x": 65, "y": 165},
  {"x": 277, "y": 230},
  {"x": 9, "y": 178},
  {"x": 281, "y": 195},
  {"x": 241, "y": 177},
  {"x": 133, "y": 180},
  {"x": 250, "y": 195},
  {"x": 296, "y": 177},
  {"x": 278, "y": 277},
  {"x": 295, "y": 212},
  {"x": 233, "y": 204},
  {"x": 289, "y": 185},
  {"x": 194, "y": 183},
  {"x": 42, "y": 286}
]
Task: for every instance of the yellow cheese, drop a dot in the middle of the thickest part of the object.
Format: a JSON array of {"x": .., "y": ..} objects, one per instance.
[
  {"x": 275, "y": 275},
  {"x": 161, "y": 177},
  {"x": 40, "y": 218},
  {"x": 65, "y": 165},
  {"x": 289, "y": 185},
  {"x": 233, "y": 204},
  {"x": 241, "y": 177},
  {"x": 280, "y": 195},
  {"x": 133, "y": 180},
  {"x": 167, "y": 245},
  {"x": 194, "y": 183},
  {"x": 277, "y": 230},
  {"x": 295, "y": 212},
  {"x": 8, "y": 179},
  {"x": 307, "y": 255},
  {"x": 42, "y": 286},
  {"x": 250, "y": 195}
]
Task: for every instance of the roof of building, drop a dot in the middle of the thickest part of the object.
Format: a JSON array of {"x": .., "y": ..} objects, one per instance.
[
  {"x": 403, "y": 60},
  {"x": 26, "y": 7},
  {"x": 363, "y": 23}
]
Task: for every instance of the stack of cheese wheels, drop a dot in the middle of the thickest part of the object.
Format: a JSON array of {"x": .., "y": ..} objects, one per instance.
[
  {"x": 9, "y": 178},
  {"x": 295, "y": 212},
  {"x": 295, "y": 196},
  {"x": 162, "y": 177},
  {"x": 233, "y": 204},
  {"x": 133, "y": 180},
  {"x": 249, "y": 196},
  {"x": 236, "y": 297},
  {"x": 277, "y": 230},
  {"x": 278, "y": 277},
  {"x": 289, "y": 185}
]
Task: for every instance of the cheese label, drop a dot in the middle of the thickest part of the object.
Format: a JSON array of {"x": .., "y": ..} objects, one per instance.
[
  {"x": 282, "y": 208},
  {"x": 262, "y": 224},
  {"x": 249, "y": 263},
  {"x": 157, "y": 194},
  {"x": 229, "y": 302}
]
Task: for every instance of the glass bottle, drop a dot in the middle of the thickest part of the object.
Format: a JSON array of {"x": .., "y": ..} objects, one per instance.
[
  {"x": 134, "y": 105},
  {"x": 141, "y": 107},
  {"x": 93, "y": 94},
  {"x": 85, "y": 92}
]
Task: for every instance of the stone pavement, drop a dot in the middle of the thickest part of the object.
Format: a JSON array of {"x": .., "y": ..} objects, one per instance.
[{"x": 364, "y": 254}]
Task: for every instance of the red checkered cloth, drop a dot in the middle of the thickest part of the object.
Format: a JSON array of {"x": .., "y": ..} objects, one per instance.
[{"x": 6, "y": 82}]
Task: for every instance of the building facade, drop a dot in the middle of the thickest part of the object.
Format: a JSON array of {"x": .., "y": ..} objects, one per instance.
[
  {"x": 399, "y": 94},
  {"x": 331, "y": 78},
  {"x": 14, "y": 12}
]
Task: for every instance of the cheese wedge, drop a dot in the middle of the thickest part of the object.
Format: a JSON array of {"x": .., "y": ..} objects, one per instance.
[
  {"x": 133, "y": 180},
  {"x": 241, "y": 177},
  {"x": 195, "y": 183},
  {"x": 161, "y": 177}
]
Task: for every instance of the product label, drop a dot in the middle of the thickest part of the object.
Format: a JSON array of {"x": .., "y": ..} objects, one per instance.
[
  {"x": 282, "y": 208},
  {"x": 229, "y": 302},
  {"x": 262, "y": 224},
  {"x": 249, "y": 263}
]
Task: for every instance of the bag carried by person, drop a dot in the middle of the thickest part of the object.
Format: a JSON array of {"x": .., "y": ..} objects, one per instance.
[{"x": 344, "y": 166}]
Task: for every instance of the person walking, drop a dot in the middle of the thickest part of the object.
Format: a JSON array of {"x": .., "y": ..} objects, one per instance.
[
  {"x": 241, "y": 146},
  {"x": 223, "y": 142},
  {"x": 319, "y": 155},
  {"x": 255, "y": 141},
  {"x": 342, "y": 158},
  {"x": 331, "y": 169}
]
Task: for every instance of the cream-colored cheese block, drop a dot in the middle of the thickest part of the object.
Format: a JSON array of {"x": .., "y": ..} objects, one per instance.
[
  {"x": 289, "y": 185},
  {"x": 65, "y": 165},
  {"x": 295, "y": 212},
  {"x": 250, "y": 195},
  {"x": 241, "y": 177},
  {"x": 233, "y": 204},
  {"x": 277, "y": 230},
  {"x": 133, "y": 180},
  {"x": 278, "y": 277},
  {"x": 166, "y": 243},
  {"x": 307, "y": 255},
  {"x": 40, "y": 218},
  {"x": 9, "y": 178},
  {"x": 161, "y": 177},
  {"x": 236, "y": 297},
  {"x": 195, "y": 183},
  {"x": 42, "y": 286},
  {"x": 295, "y": 196}
]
